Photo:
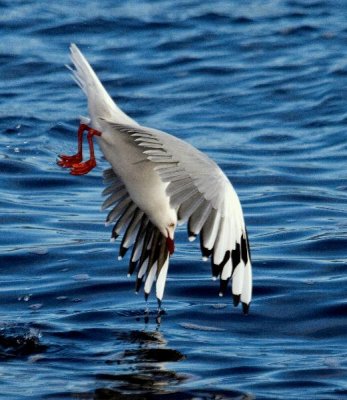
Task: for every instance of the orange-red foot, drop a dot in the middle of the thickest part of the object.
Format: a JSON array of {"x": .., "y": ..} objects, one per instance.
[
  {"x": 69, "y": 161},
  {"x": 83, "y": 167}
]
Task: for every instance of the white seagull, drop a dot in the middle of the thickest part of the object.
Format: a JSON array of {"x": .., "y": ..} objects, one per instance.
[{"x": 157, "y": 181}]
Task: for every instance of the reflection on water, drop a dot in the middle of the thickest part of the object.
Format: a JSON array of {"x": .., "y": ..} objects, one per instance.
[
  {"x": 140, "y": 370},
  {"x": 151, "y": 374},
  {"x": 149, "y": 371}
]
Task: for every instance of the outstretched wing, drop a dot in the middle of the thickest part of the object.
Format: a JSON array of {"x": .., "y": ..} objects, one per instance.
[
  {"x": 204, "y": 197},
  {"x": 149, "y": 256}
]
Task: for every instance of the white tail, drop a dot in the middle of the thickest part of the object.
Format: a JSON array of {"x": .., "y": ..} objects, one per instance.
[{"x": 100, "y": 104}]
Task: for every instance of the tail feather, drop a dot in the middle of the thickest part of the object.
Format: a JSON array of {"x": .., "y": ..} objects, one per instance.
[{"x": 100, "y": 104}]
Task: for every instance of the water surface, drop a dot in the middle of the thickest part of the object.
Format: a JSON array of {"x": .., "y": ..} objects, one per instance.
[{"x": 261, "y": 87}]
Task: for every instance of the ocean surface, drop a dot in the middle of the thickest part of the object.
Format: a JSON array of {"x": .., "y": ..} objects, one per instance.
[{"x": 261, "y": 86}]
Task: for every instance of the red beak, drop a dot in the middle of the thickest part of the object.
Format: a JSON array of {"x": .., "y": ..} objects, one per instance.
[{"x": 170, "y": 245}]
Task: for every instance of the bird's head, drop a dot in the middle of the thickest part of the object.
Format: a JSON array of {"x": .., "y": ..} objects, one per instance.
[
  {"x": 167, "y": 228},
  {"x": 170, "y": 232}
]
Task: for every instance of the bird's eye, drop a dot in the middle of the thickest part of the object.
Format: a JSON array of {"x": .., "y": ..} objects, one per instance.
[{"x": 171, "y": 225}]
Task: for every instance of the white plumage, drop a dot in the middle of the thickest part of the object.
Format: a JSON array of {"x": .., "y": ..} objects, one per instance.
[{"x": 157, "y": 181}]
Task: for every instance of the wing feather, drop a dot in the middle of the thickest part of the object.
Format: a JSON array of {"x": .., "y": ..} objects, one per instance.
[
  {"x": 199, "y": 217},
  {"x": 114, "y": 197},
  {"x": 117, "y": 210},
  {"x": 123, "y": 219},
  {"x": 211, "y": 228}
]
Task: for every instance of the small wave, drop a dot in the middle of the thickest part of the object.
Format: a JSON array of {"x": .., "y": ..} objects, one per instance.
[
  {"x": 298, "y": 30},
  {"x": 196, "y": 327}
]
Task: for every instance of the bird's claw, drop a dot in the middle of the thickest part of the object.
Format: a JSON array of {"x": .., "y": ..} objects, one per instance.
[
  {"x": 69, "y": 161},
  {"x": 83, "y": 168},
  {"x": 75, "y": 161}
]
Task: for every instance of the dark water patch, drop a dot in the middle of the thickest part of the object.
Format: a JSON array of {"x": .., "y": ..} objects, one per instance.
[
  {"x": 7, "y": 58},
  {"x": 20, "y": 124},
  {"x": 306, "y": 4},
  {"x": 329, "y": 245},
  {"x": 40, "y": 183},
  {"x": 90, "y": 334},
  {"x": 183, "y": 62},
  {"x": 154, "y": 355},
  {"x": 314, "y": 375},
  {"x": 339, "y": 69},
  {"x": 242, "y": 20},
  {"x": 31, "y": 67},
  {"x": 211, "y": 17},
  {"x": 214, "y": 70},
  {"x": 19, "y": 341},
  {"x": 216, "y": 17},
  {"x": 333, "y": 310},
  {"x": 99, "y": 25},
  {"x": 295, "y": 15},
  {"x": 141, "y": 337},
  {"x": 203, "y": 394},
  {"x": 145, "y": 379},
  {"x": 15, "y": 167},
  {"x": 17, "y": 258},
  {"x": 96, "y": 25},
  {"x": 273, "y": 138},
  {"x": 179, "y": 44},
  {"x": 66, "y": 128},
  {"x": 298, "y": 30}
]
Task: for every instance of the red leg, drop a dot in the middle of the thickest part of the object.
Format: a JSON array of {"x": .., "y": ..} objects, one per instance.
[
  {"x": 69, "y": 161},
  {"x": 83, "y": 168}
]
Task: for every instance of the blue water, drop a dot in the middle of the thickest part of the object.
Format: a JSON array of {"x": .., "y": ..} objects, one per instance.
[{"x": 259, "y": 85}]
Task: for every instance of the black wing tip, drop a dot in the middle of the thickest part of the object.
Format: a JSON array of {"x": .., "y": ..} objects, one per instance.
[
  {"x": 191, "y": 234},
  {"x": 206, "y": 252},
  {"x": 244, "y": 249},
  {"x": 216, "y": 271},
  {"x": 223, "y": 287},
  {"x": 122, "y": 251},
  {"x": 132, "y": 266},
  {"x": 114, "y": 235},
  {"x": 245, "y": 308},
  {"x": 138, "y": 284},
  {"x": 236, "y": 256},
  {"x": 236, "y": 299}
]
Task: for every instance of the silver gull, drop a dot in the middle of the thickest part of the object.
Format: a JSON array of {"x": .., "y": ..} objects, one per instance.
[{"x": 156, "y": 182}]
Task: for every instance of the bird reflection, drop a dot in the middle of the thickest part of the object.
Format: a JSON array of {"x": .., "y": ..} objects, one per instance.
[
  {"x": 160, "y": 312},
  {"x": 147, "y": 373}
]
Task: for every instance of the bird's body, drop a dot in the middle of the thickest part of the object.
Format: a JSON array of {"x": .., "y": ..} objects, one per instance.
[
  {"x": 157, "y": 181},
  {"x": 130, "y": 164}
]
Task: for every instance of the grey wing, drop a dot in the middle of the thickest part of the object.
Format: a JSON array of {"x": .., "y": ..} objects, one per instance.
[
  {"x": 204, "y": 197},
  {"x": 149, "y": 255}
]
